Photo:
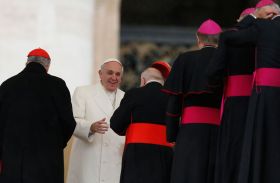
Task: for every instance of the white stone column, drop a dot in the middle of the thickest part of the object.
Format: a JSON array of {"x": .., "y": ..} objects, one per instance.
[
  {"x": 107, "y": 32},
  {"x": 65, "y": 28}
]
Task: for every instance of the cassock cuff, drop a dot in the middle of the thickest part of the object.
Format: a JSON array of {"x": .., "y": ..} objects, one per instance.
[{"x": 253, "y": 15}]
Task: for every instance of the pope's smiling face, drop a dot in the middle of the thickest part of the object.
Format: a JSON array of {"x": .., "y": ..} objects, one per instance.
[{"x": 110, "y": 75}]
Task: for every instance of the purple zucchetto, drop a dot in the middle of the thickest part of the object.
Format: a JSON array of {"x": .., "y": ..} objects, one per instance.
[{"x": 209, "y": 27}]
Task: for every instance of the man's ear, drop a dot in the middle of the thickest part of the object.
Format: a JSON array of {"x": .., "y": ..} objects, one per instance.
[
  {"x": 142, "y": 82},
  {"x": 198, "y": 41}
]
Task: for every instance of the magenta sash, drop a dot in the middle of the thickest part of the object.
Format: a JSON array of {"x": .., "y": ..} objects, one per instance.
[
  {"x": 239, "y": 85},
  {"x": 267, "y": 77},
  {"x": 196, "y": 114}
]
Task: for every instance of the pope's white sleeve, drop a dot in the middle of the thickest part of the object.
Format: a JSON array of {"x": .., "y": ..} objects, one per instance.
[{"x": 82, "y": 129}]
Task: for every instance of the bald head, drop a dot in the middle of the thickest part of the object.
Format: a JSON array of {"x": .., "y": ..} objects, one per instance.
[{"x": 151, "y": 74}]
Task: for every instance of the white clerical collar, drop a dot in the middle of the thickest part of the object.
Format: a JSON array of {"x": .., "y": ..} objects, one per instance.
[
  {"x": 153, "y": 80},
  {"x": 209, "y": 46},
  {"x": 275, "y": 17}
]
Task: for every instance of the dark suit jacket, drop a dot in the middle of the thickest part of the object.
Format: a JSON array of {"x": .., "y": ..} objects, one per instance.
[{"x": 36, "y": 122}]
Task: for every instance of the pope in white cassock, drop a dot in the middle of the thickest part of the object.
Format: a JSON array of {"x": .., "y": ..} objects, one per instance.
[{"x": 96, "y": 152}]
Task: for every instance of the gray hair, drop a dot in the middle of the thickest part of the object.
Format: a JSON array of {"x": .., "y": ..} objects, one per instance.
[
  {"x": 152, "y": 74},
  {"x": 41, "y": 60},
  {"x": 274, "y": 5},
  {"x": 208, "y": 39}
]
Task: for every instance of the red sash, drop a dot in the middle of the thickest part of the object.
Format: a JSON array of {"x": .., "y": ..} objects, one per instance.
[
  {"x": 196, "y": 114},
  {"x": 147, "y": 133}
]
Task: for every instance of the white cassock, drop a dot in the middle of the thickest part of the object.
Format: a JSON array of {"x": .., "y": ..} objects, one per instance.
[{"x": 95, "y": 158}]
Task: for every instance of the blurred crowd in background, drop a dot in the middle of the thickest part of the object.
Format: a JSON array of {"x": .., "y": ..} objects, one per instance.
[{"x": 136, "y": 56}]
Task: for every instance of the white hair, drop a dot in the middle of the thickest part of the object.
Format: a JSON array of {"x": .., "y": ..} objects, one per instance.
[
  {"x": 152, "y": 74},
  {"x": 41, "y": 60},
  {"x": 276, "y": 6}
]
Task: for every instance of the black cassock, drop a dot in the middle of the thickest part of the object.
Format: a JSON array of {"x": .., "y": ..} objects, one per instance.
[
  {"x": 199, "y": 109},
  {"x": 36, "y": 123},
  {"x": 260, "y": 160},
  {"x": 147, "y": 156},
  {"x": 234, "y": 67}
]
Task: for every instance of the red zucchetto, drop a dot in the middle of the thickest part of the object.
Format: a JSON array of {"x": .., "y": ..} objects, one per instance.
[{"x": 39, "y": 52}]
